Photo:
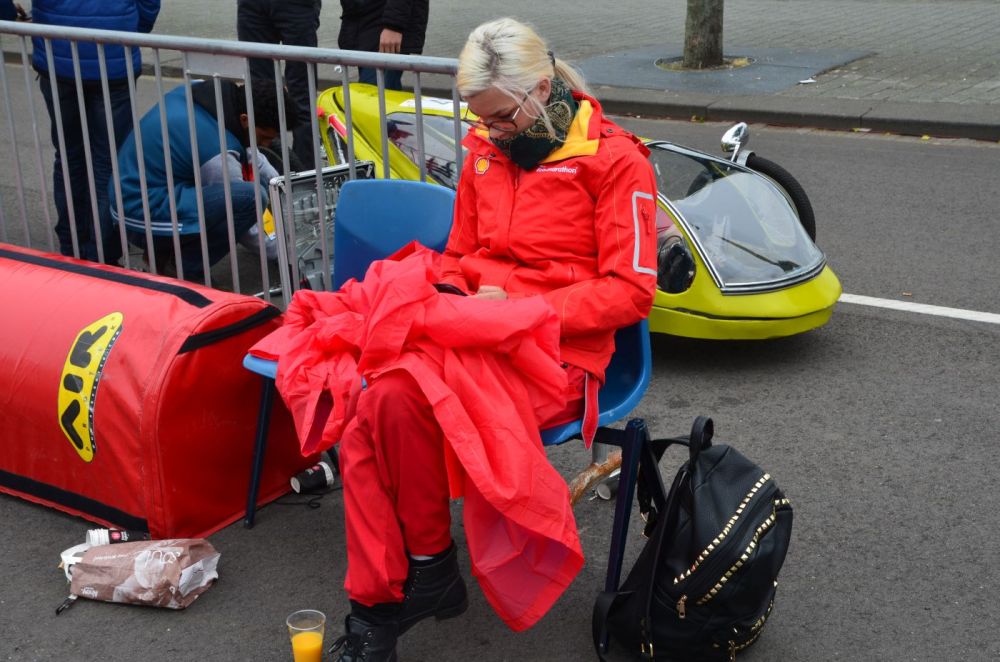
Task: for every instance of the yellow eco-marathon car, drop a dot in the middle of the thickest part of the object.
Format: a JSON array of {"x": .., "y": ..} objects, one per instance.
[{"x": 745, "y": 267}]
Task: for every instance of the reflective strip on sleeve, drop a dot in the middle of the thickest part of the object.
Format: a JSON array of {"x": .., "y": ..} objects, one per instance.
[{"x": 635, "y": 222}]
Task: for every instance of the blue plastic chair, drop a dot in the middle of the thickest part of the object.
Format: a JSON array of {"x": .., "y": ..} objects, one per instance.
[
  {"x": 625, "y": 382},
  {"x": 375, "y": 218}
]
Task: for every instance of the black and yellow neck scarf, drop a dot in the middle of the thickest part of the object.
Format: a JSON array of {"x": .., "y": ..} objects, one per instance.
[{"x": 530, "y": 147}]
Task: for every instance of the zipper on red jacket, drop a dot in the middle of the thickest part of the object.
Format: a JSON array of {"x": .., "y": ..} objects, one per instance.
[{"x": 513, "y": 204}]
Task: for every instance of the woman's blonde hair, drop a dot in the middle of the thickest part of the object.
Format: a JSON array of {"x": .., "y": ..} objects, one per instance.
[{"x": 511, "y": 57}]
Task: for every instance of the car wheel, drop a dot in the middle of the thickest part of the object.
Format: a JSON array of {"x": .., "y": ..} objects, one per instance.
[{"x": 791, "y": 188}]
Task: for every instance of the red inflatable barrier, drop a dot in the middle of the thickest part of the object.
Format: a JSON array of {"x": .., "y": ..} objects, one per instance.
[{"x": 123, "y": 399}]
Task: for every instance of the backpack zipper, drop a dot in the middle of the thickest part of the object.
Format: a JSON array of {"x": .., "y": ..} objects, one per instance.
[
  {"x": 726, "y": 539},
  {"x": 733, "y": 569},
  {"x": 725, "y": 529},
  {"x": 755, "y": 632}
]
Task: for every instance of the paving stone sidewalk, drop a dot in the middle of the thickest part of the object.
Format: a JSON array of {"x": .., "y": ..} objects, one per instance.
[{"x": 927, "y": 66}]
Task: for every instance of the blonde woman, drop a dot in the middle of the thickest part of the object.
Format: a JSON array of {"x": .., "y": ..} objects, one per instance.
[{"x": 556, "y": 204}]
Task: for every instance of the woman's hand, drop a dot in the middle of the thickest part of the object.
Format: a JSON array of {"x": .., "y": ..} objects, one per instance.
[{"x": 491, "y": 292}]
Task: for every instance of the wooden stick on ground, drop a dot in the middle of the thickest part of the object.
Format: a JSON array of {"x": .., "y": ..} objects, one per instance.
[{"x": 592, "y": 475}]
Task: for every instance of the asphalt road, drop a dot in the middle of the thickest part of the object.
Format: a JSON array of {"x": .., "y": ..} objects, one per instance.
[{"x": 880, "y": 427}]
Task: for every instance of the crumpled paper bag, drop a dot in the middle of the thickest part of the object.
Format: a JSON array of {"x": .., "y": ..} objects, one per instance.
[{"x": 157, "y": 573}]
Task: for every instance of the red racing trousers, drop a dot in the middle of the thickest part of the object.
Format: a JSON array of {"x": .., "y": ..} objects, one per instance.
[{"x": 396, "y": 499}]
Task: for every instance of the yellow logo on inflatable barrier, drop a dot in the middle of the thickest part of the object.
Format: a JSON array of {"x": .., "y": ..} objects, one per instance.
[{"x": 78, "y": 384}]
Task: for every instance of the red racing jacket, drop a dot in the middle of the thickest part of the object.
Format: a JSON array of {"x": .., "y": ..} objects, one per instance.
[{"x": 579, "y": 229}]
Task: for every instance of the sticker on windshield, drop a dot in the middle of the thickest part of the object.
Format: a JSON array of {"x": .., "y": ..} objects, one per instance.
[{"x": 432, "y": 103}]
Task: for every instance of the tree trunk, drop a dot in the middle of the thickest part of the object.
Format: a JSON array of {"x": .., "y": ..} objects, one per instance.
[{"x": 703, "y": 34}]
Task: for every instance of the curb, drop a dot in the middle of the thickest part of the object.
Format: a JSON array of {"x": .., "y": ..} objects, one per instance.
[{"x": 938, "y": 119}]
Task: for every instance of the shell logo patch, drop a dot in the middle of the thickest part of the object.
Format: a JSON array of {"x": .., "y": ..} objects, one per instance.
[
  {"x": 81, "y": 375},
  {"x": 482, "y": 165}
]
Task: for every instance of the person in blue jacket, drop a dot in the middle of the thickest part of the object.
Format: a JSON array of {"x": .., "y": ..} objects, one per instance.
[
  {"x": 74, "y": 205},
  {"x": 215, "y": 162}
]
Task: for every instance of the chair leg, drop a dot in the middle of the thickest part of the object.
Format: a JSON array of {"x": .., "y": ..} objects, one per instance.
[
  {"x": 599, "y": 452},
  {"x": 259, "y": 448}
]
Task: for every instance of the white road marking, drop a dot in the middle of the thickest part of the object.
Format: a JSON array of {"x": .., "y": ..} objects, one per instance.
[{"x": 922, "y": 308}]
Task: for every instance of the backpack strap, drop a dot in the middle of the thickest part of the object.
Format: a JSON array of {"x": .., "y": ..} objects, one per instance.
[
  {"x": 651, "y": 499},
  {"x": 669, "y": 506},
  {"x": 649, "y": 488},
  {"x": 602, "y": 607},
  {"x": 660, "y": 510},
  {"x": 701, "y": 436},
  {"x": 649, "y": 491},
  {"x": 667, "y": 522}
]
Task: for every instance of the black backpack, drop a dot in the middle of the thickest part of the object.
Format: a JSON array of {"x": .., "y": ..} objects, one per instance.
[{"x": 703, "y": 585}]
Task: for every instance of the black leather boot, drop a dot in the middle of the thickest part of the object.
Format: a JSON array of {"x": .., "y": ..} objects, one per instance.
[
  {"x": 433, "y": 588},
  {"x": 367, "y": 642}
]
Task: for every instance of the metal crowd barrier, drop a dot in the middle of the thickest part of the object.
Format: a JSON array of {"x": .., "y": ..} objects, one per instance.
[{"x": 212, "y": 60}]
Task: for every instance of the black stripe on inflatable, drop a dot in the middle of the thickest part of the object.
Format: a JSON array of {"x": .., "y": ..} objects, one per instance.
[
  {"x": 74, "y": 501},
  {"x": 183, "y": 293},
  {"x": 199, "y": 340}
]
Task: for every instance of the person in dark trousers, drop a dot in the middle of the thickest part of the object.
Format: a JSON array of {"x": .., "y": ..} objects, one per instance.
[
  {"x": 76, "y": 208},
  {"x": 215, "y": 163},
  {"x": 12, "y": 11},
  {"x": 383, "y": 26},
  {"x": 291, "y": 22}
]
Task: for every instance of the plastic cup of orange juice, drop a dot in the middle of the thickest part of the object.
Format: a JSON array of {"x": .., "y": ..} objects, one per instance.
[{"x": 305, "y": 627}]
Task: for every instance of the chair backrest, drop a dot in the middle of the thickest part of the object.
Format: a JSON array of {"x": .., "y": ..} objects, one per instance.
[
  {"x": 377, "y": 217},
  {"x": 625, "y": 382}
]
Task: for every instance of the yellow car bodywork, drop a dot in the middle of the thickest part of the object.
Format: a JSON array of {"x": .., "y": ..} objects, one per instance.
[
  {"x": 368, "y": 133},
  {"x": 701, "y": 311}
]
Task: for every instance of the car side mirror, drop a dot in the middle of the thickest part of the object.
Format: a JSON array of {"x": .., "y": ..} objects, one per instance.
[{"x": 735, "y": 139}]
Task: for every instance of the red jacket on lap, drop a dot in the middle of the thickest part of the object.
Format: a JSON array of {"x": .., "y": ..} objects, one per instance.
[{"x": 479, "y": 363}]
